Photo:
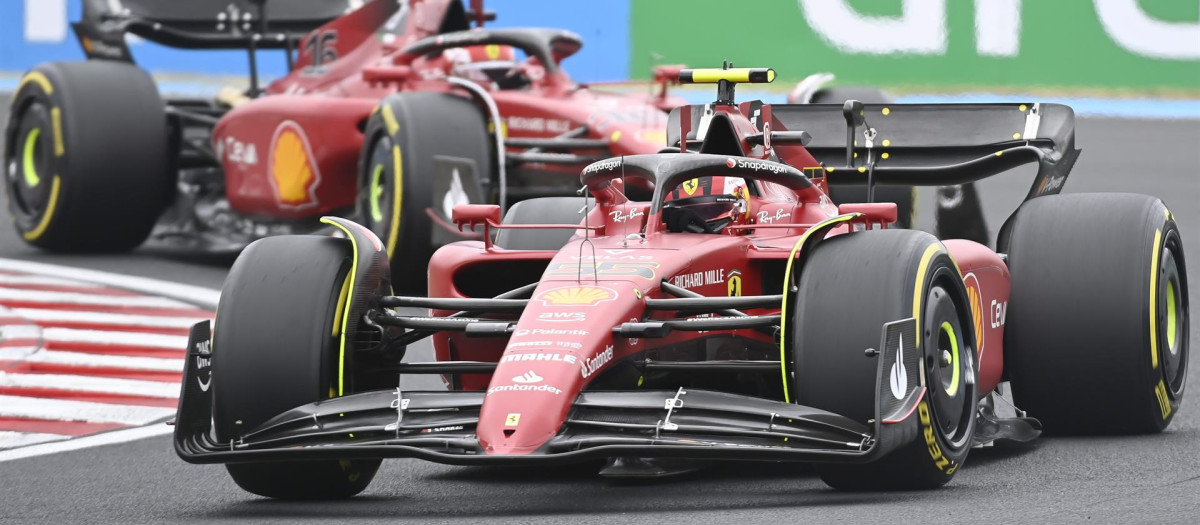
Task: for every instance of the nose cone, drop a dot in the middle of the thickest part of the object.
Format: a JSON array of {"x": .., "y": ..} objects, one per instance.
[{"x": 562, "y": 341}]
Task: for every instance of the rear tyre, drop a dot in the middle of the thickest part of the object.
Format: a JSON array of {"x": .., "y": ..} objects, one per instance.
[
  {"x": 849, "y": 288},
  {"x": 274, "y": 350},
  {"x": 86, "y": 159},
  {"x": 903, "y": 196},
  {"x": 1098, "y": 320},
  {"x": 397, "y": 172},
  {"x": 545, "y": 210}
]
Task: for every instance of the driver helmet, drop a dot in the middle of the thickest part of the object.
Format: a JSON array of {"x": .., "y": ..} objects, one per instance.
[
  {"x": 714, "y": 199},
  {"x": 482, "y": 64}
]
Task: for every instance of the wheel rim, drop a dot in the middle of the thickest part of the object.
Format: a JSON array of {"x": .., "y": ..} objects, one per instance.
[
  {"x": 949, "y": 364},
  {"x": 379, "y": 192},
  {"x": 1174, "y": 321},
  {"x": 28, "y": 166}
]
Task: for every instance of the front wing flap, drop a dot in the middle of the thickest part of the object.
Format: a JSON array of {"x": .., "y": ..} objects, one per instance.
[{"x": 440, "y": 425}]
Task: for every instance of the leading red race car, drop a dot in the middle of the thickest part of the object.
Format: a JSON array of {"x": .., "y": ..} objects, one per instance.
[{"x": 736, "y": 314}]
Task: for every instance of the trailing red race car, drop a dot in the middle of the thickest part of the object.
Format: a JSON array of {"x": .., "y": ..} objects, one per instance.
[
  {"x": 736, "y": 314},
  {"x": 388, "y": 115}
]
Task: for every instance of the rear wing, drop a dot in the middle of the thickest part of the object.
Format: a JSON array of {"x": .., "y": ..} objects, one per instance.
[
  {"x": 201, "y": 24},
  {"x": 934, "y": 144}
]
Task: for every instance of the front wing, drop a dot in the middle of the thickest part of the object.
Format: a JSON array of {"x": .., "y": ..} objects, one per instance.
[{"x": 440, "y": 425}]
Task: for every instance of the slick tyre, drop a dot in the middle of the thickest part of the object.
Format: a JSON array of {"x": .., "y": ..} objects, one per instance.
[
  {"x": 274, "y": 350},
  {"x": 408, "y": 143},
  {"x": 849, "y": 287},
  {"x": 903, "y": 196},
  {"x": 86, "y": 162},
  {"x": 1097, "y": 325},
  {"x": 545, "y": 210}
]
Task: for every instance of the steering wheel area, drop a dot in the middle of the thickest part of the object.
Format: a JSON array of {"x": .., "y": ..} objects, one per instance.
[{"x": 701, "y": 214}]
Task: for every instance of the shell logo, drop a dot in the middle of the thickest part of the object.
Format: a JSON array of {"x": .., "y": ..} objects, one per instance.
[
  {"x": 294, "y": 174},
  {"x": 976, "y": 302},
  {"x": 577, "y": 296}
]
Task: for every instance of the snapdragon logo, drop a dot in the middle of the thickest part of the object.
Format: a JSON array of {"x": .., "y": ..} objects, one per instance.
[
  {"x": 603, "y": 165},
  {"x": 756, "y": 165}
]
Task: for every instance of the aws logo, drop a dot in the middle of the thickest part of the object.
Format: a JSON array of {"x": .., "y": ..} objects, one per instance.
[{"x": 293, "y": 167}]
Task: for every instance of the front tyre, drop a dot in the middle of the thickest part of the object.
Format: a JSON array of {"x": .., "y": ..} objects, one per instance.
[
  {"x": 850, "y": 286},
  {"x": 422, "y": 154},
  {"x": 1098, "y": 320},
  {"x": 86, "y": 158},
  {"x": 275, "y": 348}
]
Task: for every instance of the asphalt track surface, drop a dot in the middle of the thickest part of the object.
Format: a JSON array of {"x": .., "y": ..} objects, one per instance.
[{"x": 1105, "y": 480}]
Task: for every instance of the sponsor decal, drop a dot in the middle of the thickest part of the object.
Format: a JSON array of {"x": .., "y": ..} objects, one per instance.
[
  {"x": 612, "y": 256},
  {"x": 527, "y": 344},
  {"x": 702, "y": 278},
  {"x": 898, "y": 377},
  {"x": 975, "y": 299},
  {"x": 528, "y": 378},
  {"x": 234, "y": 151},
  {"x": 293, "y": 168},
  {"x": 591, "y": 365},
  {"x": 548, "y": 331},
  {"x": 999, "y": 311},
  {"x": 512, "y": 420},
  {"x": 441, "y": 429},
  {"x": 204, "y": 347},
  {"x": 538, "y": 124},
  {"x": 645, "y": 270},
  {"x": 765, "y": 217},
  {"x": 524, "y": 388},
  {"x": 690, "y": 186},
  {"x": 540, "y": 356},
  {"x": 940, "y": 460},
  {"x": 455, "y": 195},
  {"x": 577, "y": 296},
  {"x": 603, "y": 165},
  {"x": 562, "y": 317},
  {"x": 734, "y": 283},
  {"x": 621, "y": 216},
  {"x": 756, "y": 165}
]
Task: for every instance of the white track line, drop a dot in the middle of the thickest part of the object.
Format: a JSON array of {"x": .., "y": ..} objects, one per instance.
[
  {"x": 107, "y": 438},
  {"x": 107, "y": 385},
  {"x": 39, "y": 296},
  {"x": 205, "y": 297},
  {"x": 115, "y": 361},
  {"x": 21, "y": 439},
  {"x": 63, "y": 410},
  {"x": 106, "y": 337},
  {"x": 195, "y": 295},
  {"x": 78, "y": 316},
  {"x": 44, "y": 280},
  {"x": 20, "y": 331}
]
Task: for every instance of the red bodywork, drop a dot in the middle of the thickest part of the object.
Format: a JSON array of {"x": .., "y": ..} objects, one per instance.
[
  {"x": 293, "y": 153},
  {"x": 564, "y": 338}
]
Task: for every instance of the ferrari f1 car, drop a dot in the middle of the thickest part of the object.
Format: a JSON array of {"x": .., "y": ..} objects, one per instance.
[
  {"x": 391, "y": 113},
  {"x": 751, "y": 321}
]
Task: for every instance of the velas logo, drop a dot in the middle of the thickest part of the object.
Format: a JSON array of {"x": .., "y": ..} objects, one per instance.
[
  {"x": 293, "y": 168},
  {"x": 577, "y": 296},
  {"x": 974, "y": 298}
]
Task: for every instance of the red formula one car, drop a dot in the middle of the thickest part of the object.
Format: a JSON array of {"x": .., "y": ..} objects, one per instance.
[
  {"x": 389, "y": 114},
  {"x": 736, "y": 314}
]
